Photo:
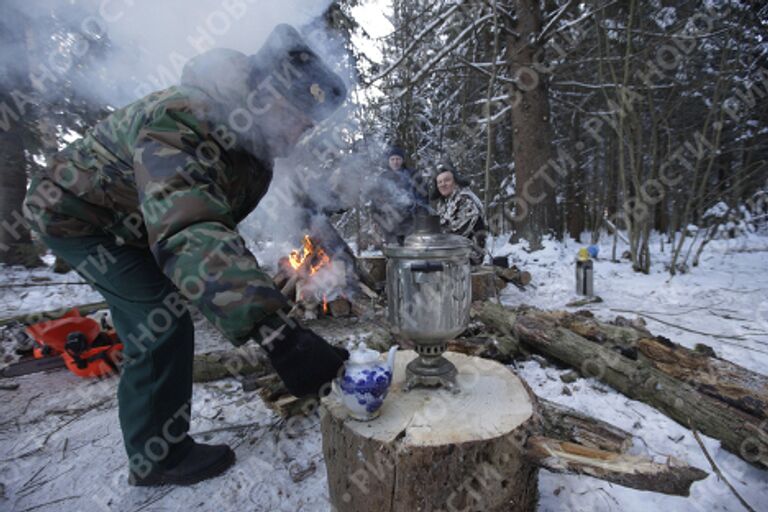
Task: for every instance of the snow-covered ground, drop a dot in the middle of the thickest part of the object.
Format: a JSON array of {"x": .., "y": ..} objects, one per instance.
[
  {"x": 60, "y": 444},
  {"x": 726, "y": 296}
]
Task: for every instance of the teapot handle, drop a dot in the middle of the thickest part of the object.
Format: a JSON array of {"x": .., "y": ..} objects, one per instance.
[{"x": 336, "y": 388}]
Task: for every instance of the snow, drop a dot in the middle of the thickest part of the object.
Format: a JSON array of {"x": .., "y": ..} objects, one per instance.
[
  {"x": 665, "y": 17},
  {"x": 726, "y": 294},
  {"x": 60, "y": 440},
  {"x": 36, "y": 293},
  {"x": 655, "y": 435},
  {"x": 716, "y": 211}
]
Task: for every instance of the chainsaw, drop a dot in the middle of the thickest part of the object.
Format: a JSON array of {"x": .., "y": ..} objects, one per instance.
[{"x": 76, "y": 342}]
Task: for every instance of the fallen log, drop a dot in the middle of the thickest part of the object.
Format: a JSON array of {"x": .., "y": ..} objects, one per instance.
[
  {"x": 513, "y": 275},
  {"x": 489, "y": 434},
  {"x": 721, "y": 379},
  {"x": 274, "y": 394},
  {"x": 734, "y": 422},
  {"x": 672, "y": 477},
  {"x": 561, "y": 422},
  {"x": 486, "y": 284},
  {"x": 38, "y": 316},
  {"x": 239, "y": 362},
  {"x": 499, "y": 348}
]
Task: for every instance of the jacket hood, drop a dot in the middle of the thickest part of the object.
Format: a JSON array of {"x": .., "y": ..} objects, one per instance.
[{"x": 222, "y": 75}]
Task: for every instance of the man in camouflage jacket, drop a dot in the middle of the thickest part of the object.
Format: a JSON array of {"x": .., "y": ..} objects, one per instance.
[
  {"x": 460, "y": 211},
  {"x": 145, "y": 207}
]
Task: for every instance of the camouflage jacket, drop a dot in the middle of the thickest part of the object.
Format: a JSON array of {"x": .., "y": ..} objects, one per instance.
[
  {"x": 461, "y": 213},
  {"x": 157, "y": 174}
]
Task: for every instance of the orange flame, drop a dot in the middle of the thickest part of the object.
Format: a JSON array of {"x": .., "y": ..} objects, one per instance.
[
  {"x": 297, "y": 258},
  {"x": 325, "y": 305}
]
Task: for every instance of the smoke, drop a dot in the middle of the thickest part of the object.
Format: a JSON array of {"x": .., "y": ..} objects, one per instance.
[
  {"x": 113, "y": 52},
  {"x": 134, "y": 47}
]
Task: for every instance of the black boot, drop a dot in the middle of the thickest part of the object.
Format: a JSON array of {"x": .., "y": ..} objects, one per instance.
[{"x": 203, "y": 461}]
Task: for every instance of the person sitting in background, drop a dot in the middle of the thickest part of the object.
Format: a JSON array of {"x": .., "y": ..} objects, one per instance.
[
  {"x": 460, "y": 210},
  {"x": 400, "y": 194}
]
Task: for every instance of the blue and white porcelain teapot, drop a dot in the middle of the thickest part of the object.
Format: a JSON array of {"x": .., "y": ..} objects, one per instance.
[{"x": 365, "y": 381}]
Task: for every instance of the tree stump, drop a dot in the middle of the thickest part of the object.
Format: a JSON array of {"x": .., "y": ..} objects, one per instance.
[
  {"x": 486, "y": 285},
  {"x": 434, "y": 450}
]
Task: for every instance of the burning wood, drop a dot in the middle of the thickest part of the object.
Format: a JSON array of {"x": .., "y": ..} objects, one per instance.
[
  {"x": 310, "y": 259},
  {"x": 317, "y": 280}
]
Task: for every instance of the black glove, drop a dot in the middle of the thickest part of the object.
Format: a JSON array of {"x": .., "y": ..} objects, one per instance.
[{"x": 304, "y": 361}]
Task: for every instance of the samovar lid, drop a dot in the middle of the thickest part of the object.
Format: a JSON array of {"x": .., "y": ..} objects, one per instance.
[{"x": 427, "y": 238}]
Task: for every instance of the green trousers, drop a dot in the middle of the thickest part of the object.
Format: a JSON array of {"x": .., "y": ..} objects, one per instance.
[{"x": 158, "y": 336}]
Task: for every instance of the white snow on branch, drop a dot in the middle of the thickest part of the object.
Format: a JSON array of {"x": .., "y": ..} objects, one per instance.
[{"x": 445, "y": 51}]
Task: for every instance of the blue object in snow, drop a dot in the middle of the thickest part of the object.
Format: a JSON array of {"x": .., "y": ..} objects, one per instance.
[{"x": 593, "y": 250}]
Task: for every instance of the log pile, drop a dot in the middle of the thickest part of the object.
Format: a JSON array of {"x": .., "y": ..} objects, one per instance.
[
  {"x": 477, "y": 450},
  {"x": 695, "y": 388},
  {"x": 318, "y": 285},
  {"x": 324, "y": 278},
  {"x": 487, "y": 281}
]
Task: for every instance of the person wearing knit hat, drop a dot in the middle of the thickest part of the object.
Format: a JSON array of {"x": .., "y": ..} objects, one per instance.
[
  {"x": 401, "y": 193},
  {"x": 145, "y": 206}
]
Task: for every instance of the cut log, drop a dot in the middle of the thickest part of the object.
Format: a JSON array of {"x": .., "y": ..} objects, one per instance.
[
  {"x": 39, "y": 316},
  {"x": 375, "y": 266},
  {"x": 229, "y": 363},
  {"x": 721, "y": 379},
  {"x": 434, "y": 450},
  {"x": 726, "y": 409},
  {"x": 339, "y": 307},
  {"x": 245, "y": 360},
  {"x": 289, "y": 288},
  {"x": 671, "y": 477},
  {"x": 513, "y": 275},
  {"x": 561, "y": 422},
  {"x": 486, "y": 285},
  {"x": 499, "y": 348},
  {"x": 284, "y": 272}
]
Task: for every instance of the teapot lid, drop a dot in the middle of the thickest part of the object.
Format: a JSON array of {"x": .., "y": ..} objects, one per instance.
[{"x": 363, "y": 355}]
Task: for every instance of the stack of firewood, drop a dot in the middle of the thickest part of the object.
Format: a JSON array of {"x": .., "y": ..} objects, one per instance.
[{"x": 321, "y": 286}]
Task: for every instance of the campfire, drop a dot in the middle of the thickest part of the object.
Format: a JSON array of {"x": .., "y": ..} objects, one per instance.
[
  {"x": 317, "y": 280},
  {"x": 309, "y": 257}
]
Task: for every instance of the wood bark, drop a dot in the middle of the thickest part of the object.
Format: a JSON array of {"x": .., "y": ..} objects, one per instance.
[
  {"x": 239, "y": 362},
  {"x": 671, "y": 477},
  {"x": 486, "y": 285},
  {"x": 472, "y": 443},
  {"x": 514, "y": 275},
  {"x": 434, "y": 450},
  {"x": 714, "y": 396},
  {"x": 39, "y": 316},
  {"x": 536, "y": 207},
  {"x": 16, "y": 246},
  {"x": 561, "y": 422}
]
